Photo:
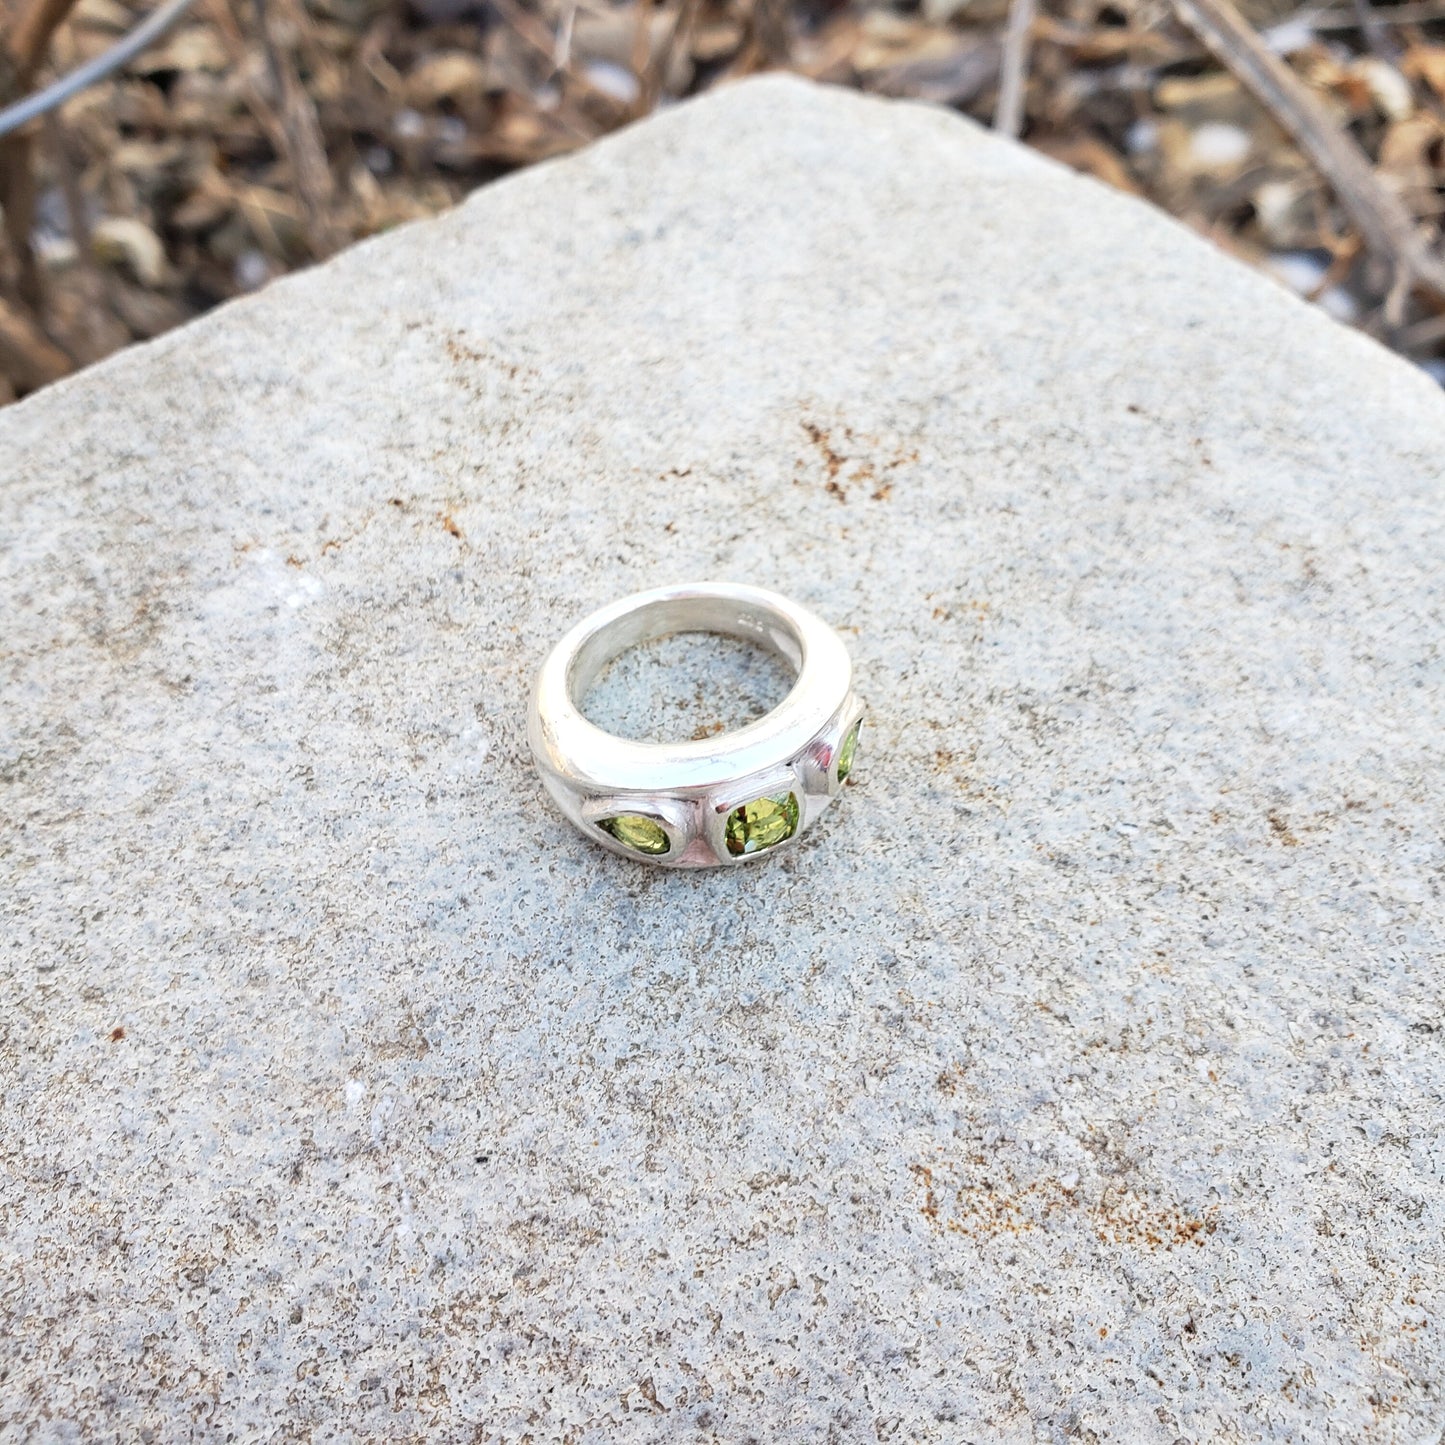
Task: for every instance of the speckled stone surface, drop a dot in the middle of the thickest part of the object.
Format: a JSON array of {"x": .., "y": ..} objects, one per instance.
[{"x": 1079, "y": 1078}]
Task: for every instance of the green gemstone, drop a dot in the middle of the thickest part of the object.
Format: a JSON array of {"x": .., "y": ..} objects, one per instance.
[
  {"x": 845, "y": 753},
  {"x": 632, "y": 830},
  {"x": 763, "y": 823}
]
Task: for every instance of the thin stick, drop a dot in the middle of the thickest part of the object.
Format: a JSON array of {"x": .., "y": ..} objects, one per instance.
[
  {"x": 1387, "y": 228},
  {"x": 12, "y": 117},
  {"x": 17, "y": 201},
  {"x": 1008, "y": 118},
  {"x": 1377, "y": 34},
  {"x": 562, "y": 54},
  {"x": 1423, "y": 333},
  {"x": 304, "y": 148},
  {"x": 531, "y": 30},
  {"x": 655, "y": 82},
  {"x": 1408, "y": 14},
  {"x": 21, "y": 55}
]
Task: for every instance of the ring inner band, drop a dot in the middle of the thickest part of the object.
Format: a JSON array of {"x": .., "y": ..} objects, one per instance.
[{"x": 686, "y": 614}]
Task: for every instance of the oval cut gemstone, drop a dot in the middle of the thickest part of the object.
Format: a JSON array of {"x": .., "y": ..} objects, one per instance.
[
  {"x": 763, "y": 823},
  {"x": 632, "y": 830},
  {"x": 846, "y": 753}
]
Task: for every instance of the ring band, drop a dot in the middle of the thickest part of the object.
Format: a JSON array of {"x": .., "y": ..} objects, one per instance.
[{"x": 720, "y": 800}]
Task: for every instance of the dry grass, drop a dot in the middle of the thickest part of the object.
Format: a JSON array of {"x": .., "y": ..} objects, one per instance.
[{"x": 258, "y": 138}]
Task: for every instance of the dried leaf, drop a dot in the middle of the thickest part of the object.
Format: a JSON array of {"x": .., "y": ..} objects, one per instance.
[
  {"x": 1092, "y": 157},
  {"x": 454, "y": 76},
  {"x": 27, "y": 356},
  {"x": 1427, "y": 63},
  {"x": 1287, "y": 212},
  {"x": 208, "y": 204},
  {"x": 145, "y": 158},
  {"x": 107, "y": 16},
  {"x": 128, "y": 242},
  {"x": 886, "y": 39},
  {"x": 146, "y": 312},
  {"x": 954, "y": 77},
  {"x": 1387, "y": 88},
  {"x": 1199, "y": 99},
  {"x": 1408, "y": 156},
  {"x": 716, "y": 39},
  {"x": 198, "y": 47}
]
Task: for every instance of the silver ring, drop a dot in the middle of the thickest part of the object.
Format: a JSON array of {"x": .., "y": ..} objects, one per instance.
[{"x": 713, "y": 801}]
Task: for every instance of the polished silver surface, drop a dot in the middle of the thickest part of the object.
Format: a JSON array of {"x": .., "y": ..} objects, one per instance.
[{"x": 698, "y": 794}]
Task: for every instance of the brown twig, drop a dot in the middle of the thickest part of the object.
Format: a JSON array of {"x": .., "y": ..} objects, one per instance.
[
  {"x": 1430, "y": 332},
  {"x": 1111, "y": 42},
  {"x": 536, "y": 35},
  {"x": 17, "y": 201},
  {"x": 1386, "y": 227},
  {"x": 301, "y": 141},
  {"x": 654, "y": 83},
  {"x": 562, "y": 49},
  {"x": 22, "y": 53},
  {"x": 1008, "y": 118},
  {"x": 27, "y": 355},
  {"x": 28, "y": 42},
  {"x": 641, "y": 49}
]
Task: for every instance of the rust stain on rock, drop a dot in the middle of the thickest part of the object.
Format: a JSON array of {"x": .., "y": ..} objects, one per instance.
[
  {"x": 989, "y": 1205},
  {"x": 929, "y": 1207},
  {"x": 820, "y": 439}
]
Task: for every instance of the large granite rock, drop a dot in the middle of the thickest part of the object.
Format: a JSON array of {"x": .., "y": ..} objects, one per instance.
[{"x": 1080, "y": 1079}]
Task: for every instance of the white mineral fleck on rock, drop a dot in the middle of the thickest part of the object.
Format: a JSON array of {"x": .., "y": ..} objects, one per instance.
[{"x": 350, "y": 1095}]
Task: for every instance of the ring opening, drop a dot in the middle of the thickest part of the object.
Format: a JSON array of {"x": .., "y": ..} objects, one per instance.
[
  {"x": 580, "y": 757},
  {"x": 684, "y": 614},
  {"x": 686, "y": 686}
]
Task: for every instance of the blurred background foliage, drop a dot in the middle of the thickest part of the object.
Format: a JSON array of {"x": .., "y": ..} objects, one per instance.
[{"x": 260, "y": 135}]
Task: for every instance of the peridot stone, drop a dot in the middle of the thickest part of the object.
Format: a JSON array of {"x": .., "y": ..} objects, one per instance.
[
  {"x": 846, "y": 752},
  {"x": 763, "y": 823},
  {"x": 632, "y": 830}
]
